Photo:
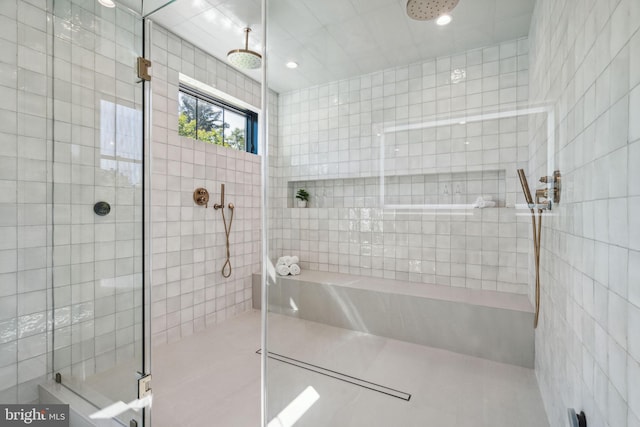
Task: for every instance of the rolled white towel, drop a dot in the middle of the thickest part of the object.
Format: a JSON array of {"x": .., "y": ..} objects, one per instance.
[
  {"x": 281, "y": 261},
  {"x": 295, "y": 269},
  {"x": 283, "y": 270},
  {"x": 295, "y": 260},
  {"x": 481, "y": 203},
  {"x": 288, "y": 260}
]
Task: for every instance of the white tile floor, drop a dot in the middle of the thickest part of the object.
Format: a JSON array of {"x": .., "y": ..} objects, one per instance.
[{"x": 213, "y": 379}]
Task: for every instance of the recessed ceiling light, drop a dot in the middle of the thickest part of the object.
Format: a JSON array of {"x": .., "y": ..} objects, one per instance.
[
  {"x": 444, "y": 19},
  {"x": 107, "y": 3},
  {"x": 292, "y": 64}
]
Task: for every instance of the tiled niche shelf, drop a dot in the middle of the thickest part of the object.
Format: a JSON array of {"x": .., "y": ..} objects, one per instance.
[{"x": 419, "y": 189}]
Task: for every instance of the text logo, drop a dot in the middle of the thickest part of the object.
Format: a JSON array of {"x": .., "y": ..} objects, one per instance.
[{"x": 34, "y": 415}]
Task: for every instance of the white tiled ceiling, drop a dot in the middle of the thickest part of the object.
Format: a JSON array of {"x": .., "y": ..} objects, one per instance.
[{"x": 336, "y": 39}]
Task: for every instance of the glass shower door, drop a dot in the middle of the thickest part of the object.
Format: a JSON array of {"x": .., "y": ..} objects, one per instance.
[
  {"x": 409, "y": 306},
  {"x": 98, "y": 119}
]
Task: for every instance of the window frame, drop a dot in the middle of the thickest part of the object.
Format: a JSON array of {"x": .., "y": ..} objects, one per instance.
[{"x": 251, "y": 127}]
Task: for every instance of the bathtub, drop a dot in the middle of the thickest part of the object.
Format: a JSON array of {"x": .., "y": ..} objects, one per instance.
[{"x": 492, "y": 325}]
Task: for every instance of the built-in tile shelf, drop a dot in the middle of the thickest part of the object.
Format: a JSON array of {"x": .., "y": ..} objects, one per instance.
[{"x": 455, "y": 188}]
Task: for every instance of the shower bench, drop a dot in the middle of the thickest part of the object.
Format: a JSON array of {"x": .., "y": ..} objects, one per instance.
[{"x": 492, "y": 325}]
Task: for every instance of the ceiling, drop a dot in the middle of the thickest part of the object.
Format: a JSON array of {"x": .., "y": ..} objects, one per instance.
[{"x": 337, "y": 39}]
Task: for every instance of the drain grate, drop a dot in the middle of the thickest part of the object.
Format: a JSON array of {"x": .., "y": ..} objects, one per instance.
[{"x": 340, "y": 376}]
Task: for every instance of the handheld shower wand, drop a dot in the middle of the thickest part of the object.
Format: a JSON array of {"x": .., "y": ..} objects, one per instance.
[
  {"x": 525, "y": 186},
  {"x": 537, "y": 231},
  {"x": 226, "y": 268}
]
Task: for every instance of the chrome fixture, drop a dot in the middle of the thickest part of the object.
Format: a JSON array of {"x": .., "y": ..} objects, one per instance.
[
  {"x": 577, "y": 420},
  {"x": 245, "y": 58},
  {"x": 426, "y": 10},
  {"x": 144, "y": 386},
  {"x": 226, "y": 268},
  {"x": 201, "y": 197}
]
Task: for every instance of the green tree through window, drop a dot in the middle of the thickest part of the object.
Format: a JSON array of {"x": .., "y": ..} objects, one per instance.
[{"x": 213, "y": 122}]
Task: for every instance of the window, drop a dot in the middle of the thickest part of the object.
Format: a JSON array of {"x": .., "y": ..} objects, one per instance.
[{"x": 214, "y": 121}]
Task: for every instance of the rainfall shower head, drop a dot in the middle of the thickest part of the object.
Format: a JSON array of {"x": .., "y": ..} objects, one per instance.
[
  {"x": 245, "y": 58},
  {"x": 425, "y": 10}
]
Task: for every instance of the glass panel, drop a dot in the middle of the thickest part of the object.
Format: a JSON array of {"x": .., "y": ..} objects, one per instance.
[
  {"x": 417, "y": 292},
  {"x": 97, "y": 202},
  {"x": 234, "y": 130},
  {"x": 187, "y": 106},
  {"x": 210, "y": 122}
]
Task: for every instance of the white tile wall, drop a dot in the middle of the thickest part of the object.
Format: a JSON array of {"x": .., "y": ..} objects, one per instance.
[
  {"x": 329, "y": 142},
  {"x": 188, "y": 290},
  {"x": 25, "y": 203},
  {"x": 584, "y": 62}
]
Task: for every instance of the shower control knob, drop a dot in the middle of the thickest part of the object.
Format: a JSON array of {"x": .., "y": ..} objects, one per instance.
[
  {"x": 201, "y": 197},
  {"x": 102, "y": 208}
]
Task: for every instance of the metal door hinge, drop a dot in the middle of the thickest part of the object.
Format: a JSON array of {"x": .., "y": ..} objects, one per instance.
[
  {"x": 143, "y": 68},
  {"x": 144, "y": 386}
]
